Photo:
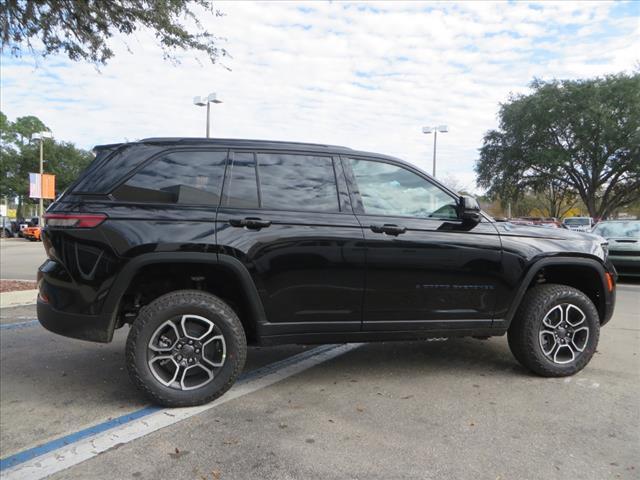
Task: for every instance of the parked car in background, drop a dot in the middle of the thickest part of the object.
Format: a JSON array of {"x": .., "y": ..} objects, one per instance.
[
  {"x": 5, "y": 225},
  {"x": 579, "y": 224},
  {"x": 550, "y": 222},
  {"x": 624, "y": 244},
  {"x": 22, "y": 225},
  {"x": 32, "y": 233}
]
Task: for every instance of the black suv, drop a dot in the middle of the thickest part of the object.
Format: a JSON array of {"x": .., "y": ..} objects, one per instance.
[{"x": 204, "y": 246}]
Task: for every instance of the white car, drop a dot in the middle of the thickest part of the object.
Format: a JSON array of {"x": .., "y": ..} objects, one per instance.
[{"x": 579, "y": 224}]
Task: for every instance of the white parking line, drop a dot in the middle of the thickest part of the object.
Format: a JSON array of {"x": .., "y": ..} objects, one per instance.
[{"x": 67, "y": 456}]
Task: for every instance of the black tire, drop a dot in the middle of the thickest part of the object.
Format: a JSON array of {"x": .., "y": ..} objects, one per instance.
[
  {"x": 526, "y": 341},
  {"x": 171, "y": 306}
]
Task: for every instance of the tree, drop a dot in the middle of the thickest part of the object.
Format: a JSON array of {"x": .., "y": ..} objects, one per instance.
[
  {"x": 556, "y": 199},
  {"x": 21, "y": 156},
  {"x": 81, "y": 28},
  {"x": 583, "y": 135}
]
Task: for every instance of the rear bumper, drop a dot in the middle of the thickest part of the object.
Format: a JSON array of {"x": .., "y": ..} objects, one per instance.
[{"x": 84, "y": 327}]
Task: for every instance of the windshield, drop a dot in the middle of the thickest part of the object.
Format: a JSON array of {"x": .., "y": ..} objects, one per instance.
[
  {"x": 618, "y": 229},
  {"x": 576, "y": 221}
]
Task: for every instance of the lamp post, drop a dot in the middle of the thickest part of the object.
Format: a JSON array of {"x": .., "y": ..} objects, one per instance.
[
  {"x": 41, "y": 136},
  {"x": 207, "y": 100},
  {"x": 435, "y": 130}
]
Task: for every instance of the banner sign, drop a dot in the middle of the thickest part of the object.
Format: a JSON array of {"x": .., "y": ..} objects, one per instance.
[
  {"x": 35, "y": 186},
  {"x": 42, "y": 186}
]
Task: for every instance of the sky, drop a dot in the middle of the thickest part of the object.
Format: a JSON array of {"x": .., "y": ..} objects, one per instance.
[{"x": 363, "y": 75}]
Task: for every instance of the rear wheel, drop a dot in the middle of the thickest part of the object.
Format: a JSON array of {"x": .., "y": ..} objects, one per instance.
[
  {"x": 555, "y": 332},
  {"x": 186, "y": 348}
]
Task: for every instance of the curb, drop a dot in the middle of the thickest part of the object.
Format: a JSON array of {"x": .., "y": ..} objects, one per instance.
[{"x": 21, "y": 297}]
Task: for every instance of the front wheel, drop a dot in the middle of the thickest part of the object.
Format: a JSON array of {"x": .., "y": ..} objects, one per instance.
[
  {"x": 555, "y": 332},
  {"x": 185, "y": 348}
]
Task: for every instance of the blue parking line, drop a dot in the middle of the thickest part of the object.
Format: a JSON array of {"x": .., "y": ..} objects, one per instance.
[
  {"x": 31, "y": 453},
  {"x": 19, "y": 325},
  {"x": 26, "y": 455}
]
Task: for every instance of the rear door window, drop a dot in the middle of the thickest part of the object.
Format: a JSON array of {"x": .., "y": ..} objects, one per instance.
[
  {"x": 297, "y": 182},
  {"x": 183, "y": 177}
]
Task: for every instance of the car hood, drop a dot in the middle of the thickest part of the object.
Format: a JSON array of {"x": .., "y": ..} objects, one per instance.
[
  {"x": 535, "y": 231},
  {"x": 624, "y": 243},
  {"x": 534, "y": 241}
]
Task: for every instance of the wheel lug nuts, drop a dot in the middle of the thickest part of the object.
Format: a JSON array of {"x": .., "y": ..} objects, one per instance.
[
  {"x": 190, "y": 342},
  {"x": 197, "y": 350},
  {"x": 179, "y": 357}
]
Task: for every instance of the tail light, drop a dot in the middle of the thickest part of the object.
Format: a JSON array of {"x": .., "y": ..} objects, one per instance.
[{"x": 74, "y": 220}]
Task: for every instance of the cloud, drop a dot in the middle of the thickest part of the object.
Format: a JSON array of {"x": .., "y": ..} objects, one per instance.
[{"x": 368, "y": 76}]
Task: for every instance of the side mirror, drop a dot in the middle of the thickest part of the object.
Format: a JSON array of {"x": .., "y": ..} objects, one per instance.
[{"x": 469, "y": 210}]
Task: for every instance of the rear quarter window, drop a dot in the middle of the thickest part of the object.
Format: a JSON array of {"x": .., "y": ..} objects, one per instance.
[
  {"x": 181, "y": 177},
  {"x": 111, "y": 166}
]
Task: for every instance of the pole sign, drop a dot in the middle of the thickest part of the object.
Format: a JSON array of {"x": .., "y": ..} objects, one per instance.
[{"x": 42, "y": 186}]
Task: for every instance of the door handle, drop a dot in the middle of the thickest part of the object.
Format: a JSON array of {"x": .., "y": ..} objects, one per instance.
[
  {"x": 250, "y": 223},
  {"x": 389, "y": 229}
]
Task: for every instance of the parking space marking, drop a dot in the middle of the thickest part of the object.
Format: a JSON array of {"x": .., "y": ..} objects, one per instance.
[
  {"x": 19, "y": 325},
  {"x": 57, "y": 455}
]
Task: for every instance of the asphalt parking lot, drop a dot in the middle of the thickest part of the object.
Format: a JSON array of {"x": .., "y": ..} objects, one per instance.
[
  {"x": 20, "y": 258},
  {"x": 461, "y": 408}
]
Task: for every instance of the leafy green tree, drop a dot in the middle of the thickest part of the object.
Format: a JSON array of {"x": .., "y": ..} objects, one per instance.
[
  {"x": 581, "y": 135},
  {"x": 81, "y": 29},
  {"x": 21, "y": 156}
]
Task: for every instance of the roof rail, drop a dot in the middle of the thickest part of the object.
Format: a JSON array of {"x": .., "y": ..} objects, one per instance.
[{"x": 234, "y": 140}]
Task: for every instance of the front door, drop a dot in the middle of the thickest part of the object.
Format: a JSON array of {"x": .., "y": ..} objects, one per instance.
[
  {"x": 424, "y": 270},
  {"x": 297, "y": 236}
]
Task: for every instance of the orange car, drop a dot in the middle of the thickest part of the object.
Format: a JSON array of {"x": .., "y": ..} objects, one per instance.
[{"x": 32, "y": 233}]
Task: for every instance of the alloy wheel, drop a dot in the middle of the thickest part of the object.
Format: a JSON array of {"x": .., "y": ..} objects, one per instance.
[
  {"x": 564, "y": 333},
  {"x": 186, "y": 351}
]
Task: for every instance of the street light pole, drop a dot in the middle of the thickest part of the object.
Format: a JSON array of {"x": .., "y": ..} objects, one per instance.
[
  {"x": 208, "y": 119},
  {"x": 435, "y": 130},
  {"x": 41, "y": 209},
  {"x": 208, "y": 100},
  {"x": 41, "y": 136},
  {"x": 435, "y": 140}
]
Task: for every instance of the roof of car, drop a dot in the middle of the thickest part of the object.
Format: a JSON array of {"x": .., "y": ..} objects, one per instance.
[
  {"x": 249, "y": 143},
  {"x": 619, "y": 220}
]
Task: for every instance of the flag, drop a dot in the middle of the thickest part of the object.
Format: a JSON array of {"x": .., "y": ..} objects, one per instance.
[
  {"x": 48, "y": 186},
  {"x": 35, "y": 185},
  {"x": 42, "y": 186}
]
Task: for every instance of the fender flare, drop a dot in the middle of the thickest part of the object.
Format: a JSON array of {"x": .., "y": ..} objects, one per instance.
[
  {"x": 538, "y": 265},
  {"x": 235, "y": 267}
]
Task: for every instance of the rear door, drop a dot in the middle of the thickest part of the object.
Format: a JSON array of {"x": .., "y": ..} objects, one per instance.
[
  {"x": 287, "y": 217},
  {"x": 424, "y": 270}
]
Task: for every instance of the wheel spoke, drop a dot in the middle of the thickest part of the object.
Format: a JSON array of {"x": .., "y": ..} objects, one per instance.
[
  {"x": 561, "y": 347},
  {"x": 183, "y": 384},
  {"x": 223, "y": 348},
  {"x": 581, "y": 316},
  {"x": 546, "y": 320},
  {"x": 547, "y": 335},
  {"x": 157, "y": 336},
  {"x": 157, "y": 375},
  {"x": 199, "y": 319},
  {"x": 582, "y": 334}
]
